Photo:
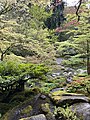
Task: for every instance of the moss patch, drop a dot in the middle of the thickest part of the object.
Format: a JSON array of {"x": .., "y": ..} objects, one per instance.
[
  {"x": 27, "y": 110},
  {"x": 56, "y": 98},
  {"x": 64, "y": 93},
  {"x": 58, "y": 93},
  {"x": 45, "y": 108}
]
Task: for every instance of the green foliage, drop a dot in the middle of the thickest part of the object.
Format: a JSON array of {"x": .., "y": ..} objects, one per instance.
[
  {"x": 45, "y": 90},
  {"x": 80, "y": 85},
  {"x": 66, "y": 113},
  {"x": 87, "y": 83},
  {"x": 13, "y": 71},
  {"x": 15, "y": 68},
  {"x": 39, "y": 70},
  {"x": 46, "y": 87},
  {"x": 29, "y": 36},
  {"x": 77, "y": 41},
  {"x": 39, "y": 15},
  {"x": 75, "y": 88},
  {"x": 9, "y": 68},
  {"x": 73, "y": 62}
]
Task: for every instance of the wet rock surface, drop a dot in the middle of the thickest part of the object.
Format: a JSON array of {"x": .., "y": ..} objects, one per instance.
[
  {"x": 82, "y": 110},
  {"x": 43, "y": 106}
]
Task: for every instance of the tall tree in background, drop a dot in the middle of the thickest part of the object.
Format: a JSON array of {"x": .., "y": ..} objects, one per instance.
[
  {"x": 57, "y": 17},
  {"x": 79, "y": 37}
]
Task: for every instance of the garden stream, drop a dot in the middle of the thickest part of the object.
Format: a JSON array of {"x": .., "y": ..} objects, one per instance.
[
  {"x": 80, "y": 103},
  {"x": 66, "y": 72},
  {"x": 82, "y": 108}
]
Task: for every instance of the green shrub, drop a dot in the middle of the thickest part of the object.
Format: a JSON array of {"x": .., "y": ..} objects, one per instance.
[
  {"x": 65, "y": 113},
  {"x": 73, "y": 62},
  {"x": 39, "y": 71},
  {"x": 81, "y": 85},
  {"x": 16, "y": 68},
  {"x": 12, "y": 70},
  {"x": 45, "y": 90},
  {"x": 87, "y": 84},
  {"x": 9, "y": 68}
]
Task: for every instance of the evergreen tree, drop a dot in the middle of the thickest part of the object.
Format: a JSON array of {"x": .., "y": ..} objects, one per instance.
[{"x": 57, "y": 17}]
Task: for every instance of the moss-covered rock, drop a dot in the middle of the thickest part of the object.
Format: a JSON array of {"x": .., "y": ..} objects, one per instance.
[
  {"x": 27, "y": 110},
  {"x": 45, "y": 108},
  {"x": 56, "y": 93},
  {"x": 61, "y": 98}
]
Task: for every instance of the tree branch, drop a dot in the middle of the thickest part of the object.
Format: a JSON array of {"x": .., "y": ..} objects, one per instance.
[
  {"x": 6, "y": 7},
  {"x": 8, "y": 48},
  {"x": 77, "y": 9},
  {"x": 3, "y": 53}
]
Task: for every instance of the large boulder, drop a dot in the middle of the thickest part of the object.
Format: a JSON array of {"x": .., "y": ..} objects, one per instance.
[
  {"x": 61, "y": 98},
  {"x": 82, "y": 110},
  {"x": 36, "y": 117},
  {"x": 71, "y": 99}
]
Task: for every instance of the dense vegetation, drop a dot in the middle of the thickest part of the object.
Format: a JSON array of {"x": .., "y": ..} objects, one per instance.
[{"x": 33, "y": 37}]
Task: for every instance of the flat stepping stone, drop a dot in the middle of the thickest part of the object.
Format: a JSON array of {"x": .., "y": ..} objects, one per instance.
[
  {"x": 72, "y": 99},
  {"x": 62, "y": 98}
]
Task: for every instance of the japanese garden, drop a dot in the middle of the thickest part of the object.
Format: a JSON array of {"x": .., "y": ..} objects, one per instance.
[{"x": 44, "y": 60}]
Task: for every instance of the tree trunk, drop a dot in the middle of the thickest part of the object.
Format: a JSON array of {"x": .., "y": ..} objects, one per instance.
[
  {"x": 88, "y": 59},
  {"x": 88, "y": 66},
  {"x": 21, "y": 85},
  {"x": 2, "y": 56}
]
